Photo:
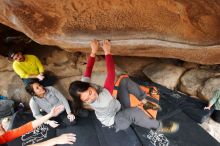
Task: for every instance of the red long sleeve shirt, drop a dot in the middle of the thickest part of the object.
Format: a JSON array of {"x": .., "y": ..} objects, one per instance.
[
  {"x": 109, "y": 81},
  {"x": 15, "y": 133}
]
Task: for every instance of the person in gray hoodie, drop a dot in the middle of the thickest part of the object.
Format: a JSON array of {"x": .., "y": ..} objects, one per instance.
[{"x": 45, "y": 98}]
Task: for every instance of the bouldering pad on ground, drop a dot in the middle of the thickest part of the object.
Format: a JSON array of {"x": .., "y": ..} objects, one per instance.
[{"x": 175, "y": 107}]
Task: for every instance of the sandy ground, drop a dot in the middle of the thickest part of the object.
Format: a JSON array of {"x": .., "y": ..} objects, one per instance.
[{"x": 213, "y": 128}]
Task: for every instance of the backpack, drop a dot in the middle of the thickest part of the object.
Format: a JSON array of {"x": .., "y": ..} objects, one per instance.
[{"x": 152, "y": 93}]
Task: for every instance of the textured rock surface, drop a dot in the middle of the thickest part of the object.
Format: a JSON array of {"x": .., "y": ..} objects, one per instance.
[
  {"x": 209, "y": 87},
  {"x": 165, "y": 74},
  {"x": 62, "y": 64},
  {"x": 193, "y": 80},
  {"x": 66, "y": 66},
  {"x": 63, "y": 85},
  {"x": 69, "y": 67},
  {"x": 212, "y": 128},
  {"x": 187, "y": 30},
  {"x": 5, "y": 83},
  {"x": 5, "y": 65},
  {"x": 133, "y": 65},
  {"x": 190, "y": 65}
]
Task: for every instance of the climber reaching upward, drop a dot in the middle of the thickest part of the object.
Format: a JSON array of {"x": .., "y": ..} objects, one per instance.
[{"x": 109, "y": 110}]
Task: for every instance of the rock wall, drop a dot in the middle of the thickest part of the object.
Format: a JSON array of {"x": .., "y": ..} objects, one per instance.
[
  {"x": 179, "y": 29},
  {"x": 66, "y": 66},
  {"x": 196, "y": 80},
  {"x": 186, "y": 30}
]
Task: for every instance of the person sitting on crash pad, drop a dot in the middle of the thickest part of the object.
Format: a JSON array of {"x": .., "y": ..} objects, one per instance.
[
  {"x": 109, "y": 110},
  {"x": 29, "y": 68},
  {"x": 7, "y": 136},
  {"x": 215, "y": 104},
  {"x": 45, "y": 98}
]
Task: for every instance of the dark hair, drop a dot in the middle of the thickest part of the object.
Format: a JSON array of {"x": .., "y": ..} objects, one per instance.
[
  {"x": 12, "y": 52},
  {"x": 29, "y": 87},
  {"x": 74, "y": 89}
]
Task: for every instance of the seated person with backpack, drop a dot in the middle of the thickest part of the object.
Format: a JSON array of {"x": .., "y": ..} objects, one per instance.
[
  {"x": 215, "y": 104},
  {"x": 109, "y": 110},
  {"x": 29, "y": 68},
  {"x": 7, "y": 136},
  {"x": 45, "y": 98}
]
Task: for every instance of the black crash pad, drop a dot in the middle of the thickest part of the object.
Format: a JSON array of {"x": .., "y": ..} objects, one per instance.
[
  {"x": 42, "y": 133},
  {"x": 182, "y": 109},
  {"x": 90, "y": 132},
  {"x": 175, "y": 107}
]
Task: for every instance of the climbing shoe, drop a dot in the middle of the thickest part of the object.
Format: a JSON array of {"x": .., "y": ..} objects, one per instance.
[
  {"x": 171, "y": 127},
  {"x": 149, "y": 105}
]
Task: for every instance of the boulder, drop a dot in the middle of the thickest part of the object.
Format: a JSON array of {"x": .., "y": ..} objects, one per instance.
[
  {"x": 99, "y": 65},
  {"x": 63, "y": 85},
  {"x": 5, "y": 64},
  {"x": 209, "y": 87},
  {"x": 16, "y": 90},
  {"x": 4, "y": 83},
  {"x": 133, "y": 65},
  {"x": 165, "y": 74},
  {"x": 63, "y": 71},
  {"x": 190, "y": 65},
  {"x": 193, "y": 80},
  {"x": 57, "y": 57},
  {"x": 162, "y": 28}
]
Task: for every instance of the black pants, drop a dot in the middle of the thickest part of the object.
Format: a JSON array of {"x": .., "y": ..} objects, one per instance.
[
  {"x": 195, "y": 109},
  {"x": 49, "y": 80},
  {"x": 216, "y": 116}
]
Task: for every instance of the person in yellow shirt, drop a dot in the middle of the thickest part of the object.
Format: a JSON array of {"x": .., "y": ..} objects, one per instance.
[{"x": 29, "y": 68}]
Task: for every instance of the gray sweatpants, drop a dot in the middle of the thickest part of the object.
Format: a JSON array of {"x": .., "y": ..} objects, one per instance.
[{"x": 127, "y": 115}]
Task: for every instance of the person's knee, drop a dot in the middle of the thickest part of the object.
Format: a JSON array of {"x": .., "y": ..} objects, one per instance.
[
  {"x": 137, "y": 115},
  {"x": 124, "y": 81},
  {"x": 135, "y": 111},
  {"x": 131, "y": 114},
  {"x": 121, "y": 122}
]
